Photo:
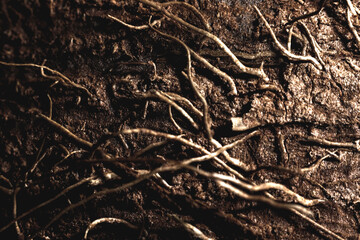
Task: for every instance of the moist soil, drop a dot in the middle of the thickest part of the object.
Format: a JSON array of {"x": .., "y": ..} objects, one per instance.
[{"x": 306, "y": 118}]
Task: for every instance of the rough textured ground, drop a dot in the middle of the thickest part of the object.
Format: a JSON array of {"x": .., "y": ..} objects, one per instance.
[{"x": 307, "y": 121}]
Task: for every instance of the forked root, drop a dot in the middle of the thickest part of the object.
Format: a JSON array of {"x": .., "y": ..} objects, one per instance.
[
  {"x": 197, "y": 56},
  {"x": 58, "y": 76},
  {"x": 258, "y": 72},
  {"x": 285, "y": 52},
  {"x": 259, "y": 188}
]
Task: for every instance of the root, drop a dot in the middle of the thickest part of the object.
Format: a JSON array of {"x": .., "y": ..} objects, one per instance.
[
  {"x": 290, "y": 38},
  {"x": 173, "y": 120},
  {"x": 192, "y": 229},
  {"x": 17, "y": 228},
  {"x": 317, "y": 225},
  {"x": 108, "y": 220},
  {"x": 66, "y": 132},
  {"x": 259, "y": 188},
  {"x": 352, "y": 64},
  {"x": 281, "y": 143},
  {"x": 193, "y": 9},
  {"x": 171, "y": 166},
  {"x": 318, "y": 162},
  {"x": 351, "y": 7},
  {"x": 285, "y": 51},
  {"x": 230, "y": 174},
  {"x": 259, "y": 198},
  {"x": 59, "y": 76},
  {"x": 185, "y": 101},
  {"x": 349, "y": 14},
  {"x": 313, "y": 43},
  {"x": 38, "y": 157},
  {"x": 242, "y": 55},
  {"x": 150, "y": 147},
  {"x": 212, "y": 68},
  {"x": 259, "y": 72},
  {"x": 163, "y": 97},
  {"x": 142, "y": 27},
  {"x": 323, "y": 4},
  {"x": 327, "y": 143},
  {"x": 6, "y": 190},
  {"x": 62, "y": 193},
  {"x": 233, "y": 161}
]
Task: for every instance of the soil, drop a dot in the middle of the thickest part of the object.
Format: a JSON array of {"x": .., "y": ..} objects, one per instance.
[{"x": 58, "y": 131}]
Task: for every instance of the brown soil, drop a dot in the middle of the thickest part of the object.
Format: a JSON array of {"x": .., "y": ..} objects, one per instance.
[{"x": 306, "y": 121}]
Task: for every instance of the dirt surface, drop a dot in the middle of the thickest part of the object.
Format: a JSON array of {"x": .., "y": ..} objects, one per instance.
[{"x": 80, "y": 92}]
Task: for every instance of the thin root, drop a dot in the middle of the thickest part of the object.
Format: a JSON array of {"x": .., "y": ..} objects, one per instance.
[
  {"x": 321, "y": 227},
  {"x": 192, "y": 229},
  {"x": 259, "y": 72},
  {"x": 349, "y": 14},
  {"x": 66, "y": 132},
  {"x": 165, "y": 168},
  {"x": 17, "y": 227},
  {"x": 328, "y": 143},
  {"x": 352, "y": 64},
  {"x": 318, "y": 11},
  {"x": 108, "y": 220},
  {"x": 163, "y": 97},
  {"x": 59, "y": 75},
  {"x": 259, "y": 188},
  {"x": 150, "y": 147},
  {"x": 179, "y": 138},
  {"x": 185, "y": 101},
  {"x": 283, "y": 50},
  {"x": 318, "y": 162},
  {"x": 142, "y": 27},
  {"x": 62, "y": 193},
  {"x": 173, "y": 120},
  {"x": 195, "y": 11},
  {"x": 259, "y": 198},
  {"x": 313, "y": 43},
  {"x": 351, "y": 7},
  {"x": 290, "y": 38}
]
